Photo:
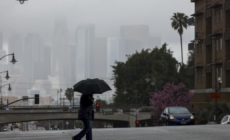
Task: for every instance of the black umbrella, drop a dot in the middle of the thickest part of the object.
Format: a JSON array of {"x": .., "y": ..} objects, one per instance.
[{"x": 91, "y": 86}]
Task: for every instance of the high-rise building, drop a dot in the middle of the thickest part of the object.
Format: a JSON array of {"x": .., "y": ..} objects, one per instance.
[
  {"x": 2, "y": 52},
  {"x": 33, "y": 58},
  {"x": 60, "y": 54},
  {"x": 138, "y": 33},
  {"x": 16, "y": 46},
  {"x": 85, "y": 35},
  {"x": 155, "y": 41},
  {"x": 1, "y": 41},
  {"x": 72, "y": 62},
  {"x": 116, "y": 51},
  {"x": 46, "y": 61},
  {"x": 100, "y": 58},
  {"x": 211, "y": 48}
]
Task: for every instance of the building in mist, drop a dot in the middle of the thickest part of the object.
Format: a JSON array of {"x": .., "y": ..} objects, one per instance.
[
  {"x": 3, "y": 64},
  {"x": 33, "y": 58},
  {"x": 85, "y": 36},
  {"x": 3, "y": 53},
  {"x": 100, "y": 58},
  {"x": 16, "y": 46},
  {"x": 155, "y": 41},
  {"x": 116, "y": 51},
  {"x": 60, "y": 54},
  {"x": 1, "y": 41},
  {"x": 137, "y": 33},
  {"x": 46, "y": 62},
  {"x": 19, "y": 85}
]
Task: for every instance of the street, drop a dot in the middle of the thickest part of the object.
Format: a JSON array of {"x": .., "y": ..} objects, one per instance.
[{"x": 196, "y": 132}]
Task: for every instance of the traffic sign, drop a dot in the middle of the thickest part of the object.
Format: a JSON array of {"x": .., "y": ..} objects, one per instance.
[
  {"x": 136, "y": 111},
  {"x": 108, "y": 112},
  {"x": 119, "y": 111},
  {"x": 215, "y": 95}
]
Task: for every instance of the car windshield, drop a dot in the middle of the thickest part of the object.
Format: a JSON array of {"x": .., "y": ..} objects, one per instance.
[{"x": 178, "y": 110}]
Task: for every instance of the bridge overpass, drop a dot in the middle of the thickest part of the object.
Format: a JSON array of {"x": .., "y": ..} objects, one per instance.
[{"x": 26, "y": 114}]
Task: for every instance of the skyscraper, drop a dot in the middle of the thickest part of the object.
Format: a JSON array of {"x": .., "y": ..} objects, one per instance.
[
  {"x": 136, "y": 32},
  {"x": 85, "y": 35},
  {"x": 100, "y": 58},
  {"x": 2, "y": 52},
  {"x": 16, "y": 47},
  {"x": 60, "y": 54},
  {"x": 1, "y": 41},
  {"x": 116, "y": 51},
  {"x": 33, "y": 57}
]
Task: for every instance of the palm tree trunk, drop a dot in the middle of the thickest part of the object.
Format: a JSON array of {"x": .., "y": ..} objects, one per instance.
[{"x": 181, "y": 49}]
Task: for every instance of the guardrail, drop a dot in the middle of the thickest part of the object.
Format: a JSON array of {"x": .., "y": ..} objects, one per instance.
[{"x": 27, "y": 109}]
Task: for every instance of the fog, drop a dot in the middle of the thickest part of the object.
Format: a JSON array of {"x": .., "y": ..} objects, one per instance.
[{"x": 33, "y": 24}]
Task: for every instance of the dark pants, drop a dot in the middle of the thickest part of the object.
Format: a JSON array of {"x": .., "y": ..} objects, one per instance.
[{"x": 86, "y": 131}]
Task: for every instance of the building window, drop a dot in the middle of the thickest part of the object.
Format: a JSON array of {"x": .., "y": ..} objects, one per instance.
[
  {"x": 218, "y": 15},
  {"x": 219, "y": 71},
  {"x": 199, "y": 48},
  {"x": 199, "y": 22},
  {"x": 219, "y": 44},
  {"x": 221, "y": 15}
]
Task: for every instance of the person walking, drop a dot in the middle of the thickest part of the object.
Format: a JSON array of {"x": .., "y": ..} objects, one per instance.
[{"x": 86, "y": 114}]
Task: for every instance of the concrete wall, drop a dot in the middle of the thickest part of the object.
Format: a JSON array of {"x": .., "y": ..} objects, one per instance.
[{"x": 23, "y": 116}]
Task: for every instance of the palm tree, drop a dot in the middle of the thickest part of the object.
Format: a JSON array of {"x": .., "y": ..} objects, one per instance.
[
  {"x": 69, "y": 93},
  {"x": 179, "y": 22}
]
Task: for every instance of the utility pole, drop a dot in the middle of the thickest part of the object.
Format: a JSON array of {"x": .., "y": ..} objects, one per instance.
[
  {"x": 215, "y": 66},
  {"x": 57, "y": 96},
  {"x": 216, "y": 90},
  {"x": 60, "y": 96},
  {"x": 1, "y": 88}
]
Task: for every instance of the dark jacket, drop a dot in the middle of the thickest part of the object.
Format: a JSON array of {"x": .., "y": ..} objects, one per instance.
[{"x": 86, "y": 109}]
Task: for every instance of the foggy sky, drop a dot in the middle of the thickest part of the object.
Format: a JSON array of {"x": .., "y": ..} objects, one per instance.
[{"x": 38, "y": 16}]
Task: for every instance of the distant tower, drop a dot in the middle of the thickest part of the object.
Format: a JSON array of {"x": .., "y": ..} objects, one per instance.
[
  {"x": 116, "y": 49},
  {"x": 2, "y": 52},
  {"x": 85, "y": 35},
  {"x": 33, "y": 57},
  {"x": 16, "y": 47},
  {"x": 100, "y": 58},
  {"x": 60, "y": 42},
  {"x": 136, "y": 32},
  {"x": 1, "y": 41},
  {"x": 60, "y": 54}
]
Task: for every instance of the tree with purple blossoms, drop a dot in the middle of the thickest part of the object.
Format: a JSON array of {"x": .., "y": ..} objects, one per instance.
[{"x": 171, "y": 95}]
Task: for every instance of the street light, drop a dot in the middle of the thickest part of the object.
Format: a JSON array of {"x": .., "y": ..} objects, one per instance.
[
  {"x": 7, "y": 74},
  {"x": 21, "y": 1},
  {"x": 9, "y": 88},
  {"x": 13, "y": 61}
]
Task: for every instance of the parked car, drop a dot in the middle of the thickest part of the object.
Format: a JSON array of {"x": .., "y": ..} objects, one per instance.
[
  {"x": 177, "y": 116},
  {"x": 5, "y": 128},
  {"x": 225, "y": 120}
]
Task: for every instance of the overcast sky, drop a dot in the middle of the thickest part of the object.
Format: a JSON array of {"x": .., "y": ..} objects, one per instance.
[{"x": 38, "y": 16}]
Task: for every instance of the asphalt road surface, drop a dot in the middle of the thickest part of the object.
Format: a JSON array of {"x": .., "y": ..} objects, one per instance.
[{"x": 205, "y": 132}]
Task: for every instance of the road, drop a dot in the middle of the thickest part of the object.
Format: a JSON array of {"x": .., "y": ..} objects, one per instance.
[{"x": 208, "y": 132}]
